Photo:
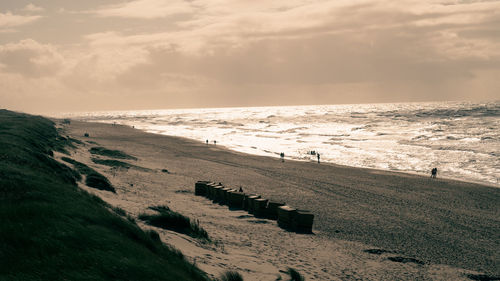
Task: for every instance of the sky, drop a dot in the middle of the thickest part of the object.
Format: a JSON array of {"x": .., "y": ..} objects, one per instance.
[{"x": 61, "y": 56}]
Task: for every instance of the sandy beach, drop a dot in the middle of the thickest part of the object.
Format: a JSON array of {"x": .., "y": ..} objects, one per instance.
[{"x": 423, "y": 228}]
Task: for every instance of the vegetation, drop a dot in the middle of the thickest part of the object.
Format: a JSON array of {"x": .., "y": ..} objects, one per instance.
[
  {"x": 231, "y": 276},
  {"x": 80, "y": 167},
  {"x": 117, "y": 154},
  {"x": 52, "y": 230},
  {"x": 119, "y": 211},
  {"x": 117, "y": 164},
  {"x": 295, "y": 275},
  {"x": 112, "y": 163},
  {"x": 177, "y": 222},
  {"x": 93, "y": 178},
  {"x": 99, "y": 181}
]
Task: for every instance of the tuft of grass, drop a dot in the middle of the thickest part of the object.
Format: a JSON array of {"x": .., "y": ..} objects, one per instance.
[
  {"x": 119, "y": 211},
  {"x": 231, "y": 276},
  {"x": 295, "y": 275},
  {"x": 117, "y": 164},
  {"x": 111, "y": 163},
  {"x": 76, "y": 141},
  {"x": 175, "y": 221},
  {"x": 154, "y": 235},
  {"x": 117, "y": 154},
  {"x": 93, "y": 178},
  {"x": 52, "y": 230},
  {"x": 99, "y": 181},
  {"x": 131, "y": 219},
  {"x": 80, "y": 167}
]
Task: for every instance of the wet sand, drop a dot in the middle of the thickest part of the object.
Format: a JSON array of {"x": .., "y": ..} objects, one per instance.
[{"x": 423, "y": 228}]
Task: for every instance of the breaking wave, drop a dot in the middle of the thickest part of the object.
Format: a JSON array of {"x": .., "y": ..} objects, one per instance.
[{"x": 461, "y": 139}]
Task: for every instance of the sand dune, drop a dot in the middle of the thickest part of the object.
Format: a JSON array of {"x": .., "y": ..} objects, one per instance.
[{"x": 369, "y": 224}]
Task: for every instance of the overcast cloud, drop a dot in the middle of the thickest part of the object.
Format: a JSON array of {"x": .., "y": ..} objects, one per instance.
[{"x": 147, "y": 54}]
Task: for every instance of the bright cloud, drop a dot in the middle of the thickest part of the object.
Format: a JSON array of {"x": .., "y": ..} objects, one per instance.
[
  {"x": 11, "y": 20},
  {"x": 33, "y": 8},
  {"x": 30, "y": 58},
  {"x": 146, "y": 9}
]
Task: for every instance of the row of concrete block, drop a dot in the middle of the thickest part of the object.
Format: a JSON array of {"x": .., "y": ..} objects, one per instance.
[{"x": 288, "y": 218}]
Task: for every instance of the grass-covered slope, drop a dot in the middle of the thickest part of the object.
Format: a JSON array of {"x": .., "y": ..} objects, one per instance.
[
  {"x": 51, "y": 230},
  {"x": 172, "y": 220}
]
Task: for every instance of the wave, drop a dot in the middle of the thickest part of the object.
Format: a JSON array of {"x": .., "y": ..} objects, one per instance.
[{"x": 463, "y": 139}]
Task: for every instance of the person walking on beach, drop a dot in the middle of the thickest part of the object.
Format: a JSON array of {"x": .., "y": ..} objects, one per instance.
[
  {"x": 207, "y": 142},
  {"x": 318, "y": 157},
  {"x": 434, "y": 172},
  {"x": 215, "y": 142},
  {"x": 282, "y": 155}
]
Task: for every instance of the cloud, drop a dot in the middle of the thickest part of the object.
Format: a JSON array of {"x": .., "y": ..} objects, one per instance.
[
  {"x": 175, "y": 53},
  {"x": 406, "y": 50},
  {"x": 233, "y": 24},
  {"x": 33, "y": 8},
  {"x": 8, "y": 20},
  {"x": 146, "y": 9},
  {"x": 30, "y": 59}
]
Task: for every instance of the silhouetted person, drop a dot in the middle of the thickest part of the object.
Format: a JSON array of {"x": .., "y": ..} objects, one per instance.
[
  {"x": 434, "y": 172},
  {"x": 318, "y": 157},
  {"x": 215, "y": 142},
  {"x": 282, "y": 155},
  {"x": 241, "y": 189},
  {"x": 207, "y": 142}
]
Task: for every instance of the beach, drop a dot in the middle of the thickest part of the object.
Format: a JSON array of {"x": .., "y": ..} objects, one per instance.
[{"x": 422, "y": 228}]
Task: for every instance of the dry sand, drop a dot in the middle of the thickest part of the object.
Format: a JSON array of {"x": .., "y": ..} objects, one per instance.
[{"x": 449, "y": 228}]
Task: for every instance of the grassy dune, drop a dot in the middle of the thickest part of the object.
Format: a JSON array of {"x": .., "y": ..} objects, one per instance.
[
  {"x": 172, "y": 220},
  {"x": 52, "y": 230}
]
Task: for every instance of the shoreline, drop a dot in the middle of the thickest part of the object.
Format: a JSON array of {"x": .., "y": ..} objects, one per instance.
[
  {"x": 438, "y": 221},
  {"x": 486, "y": 184}
]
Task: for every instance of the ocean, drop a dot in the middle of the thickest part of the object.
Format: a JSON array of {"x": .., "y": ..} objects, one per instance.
[{"x": 461, "y": 139}]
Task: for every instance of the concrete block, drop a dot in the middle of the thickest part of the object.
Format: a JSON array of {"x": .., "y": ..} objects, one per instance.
[
  {"x": 224, "y": 197},
  {"x": 303, "y": 221},
  {"x": 236, "y": 199},
  {"x": 200, "y": 188},
  {"x": 211, "y": 191},
  {"x": 250, "y": 201},
  {"x": 272, "y": 209},
  {"x": 246, "y": 201},
  {"x": 286, "y": 215},
  {"x": 260, "y": 207},
  {"x": 217, "y": 193}
]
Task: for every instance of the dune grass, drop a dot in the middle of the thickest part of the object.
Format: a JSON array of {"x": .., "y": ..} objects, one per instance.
[
  {"x": 93, "y": 178},
  {"x": 117, "y": 154},
  {"x": 112, "y": 163},
  {"x": 117, "y": 164},
  {"x": 231, "y": 276},
  {"x": 52, "y": 230},
  {"x": 295, "y": 275},
  {"x": 174, "y": 221}
]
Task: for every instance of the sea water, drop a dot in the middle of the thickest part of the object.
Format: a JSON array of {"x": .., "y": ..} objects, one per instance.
[{"x": 461, "y": 139}]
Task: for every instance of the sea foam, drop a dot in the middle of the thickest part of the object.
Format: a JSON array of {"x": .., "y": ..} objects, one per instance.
[{"x": 461, "y": 139}]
